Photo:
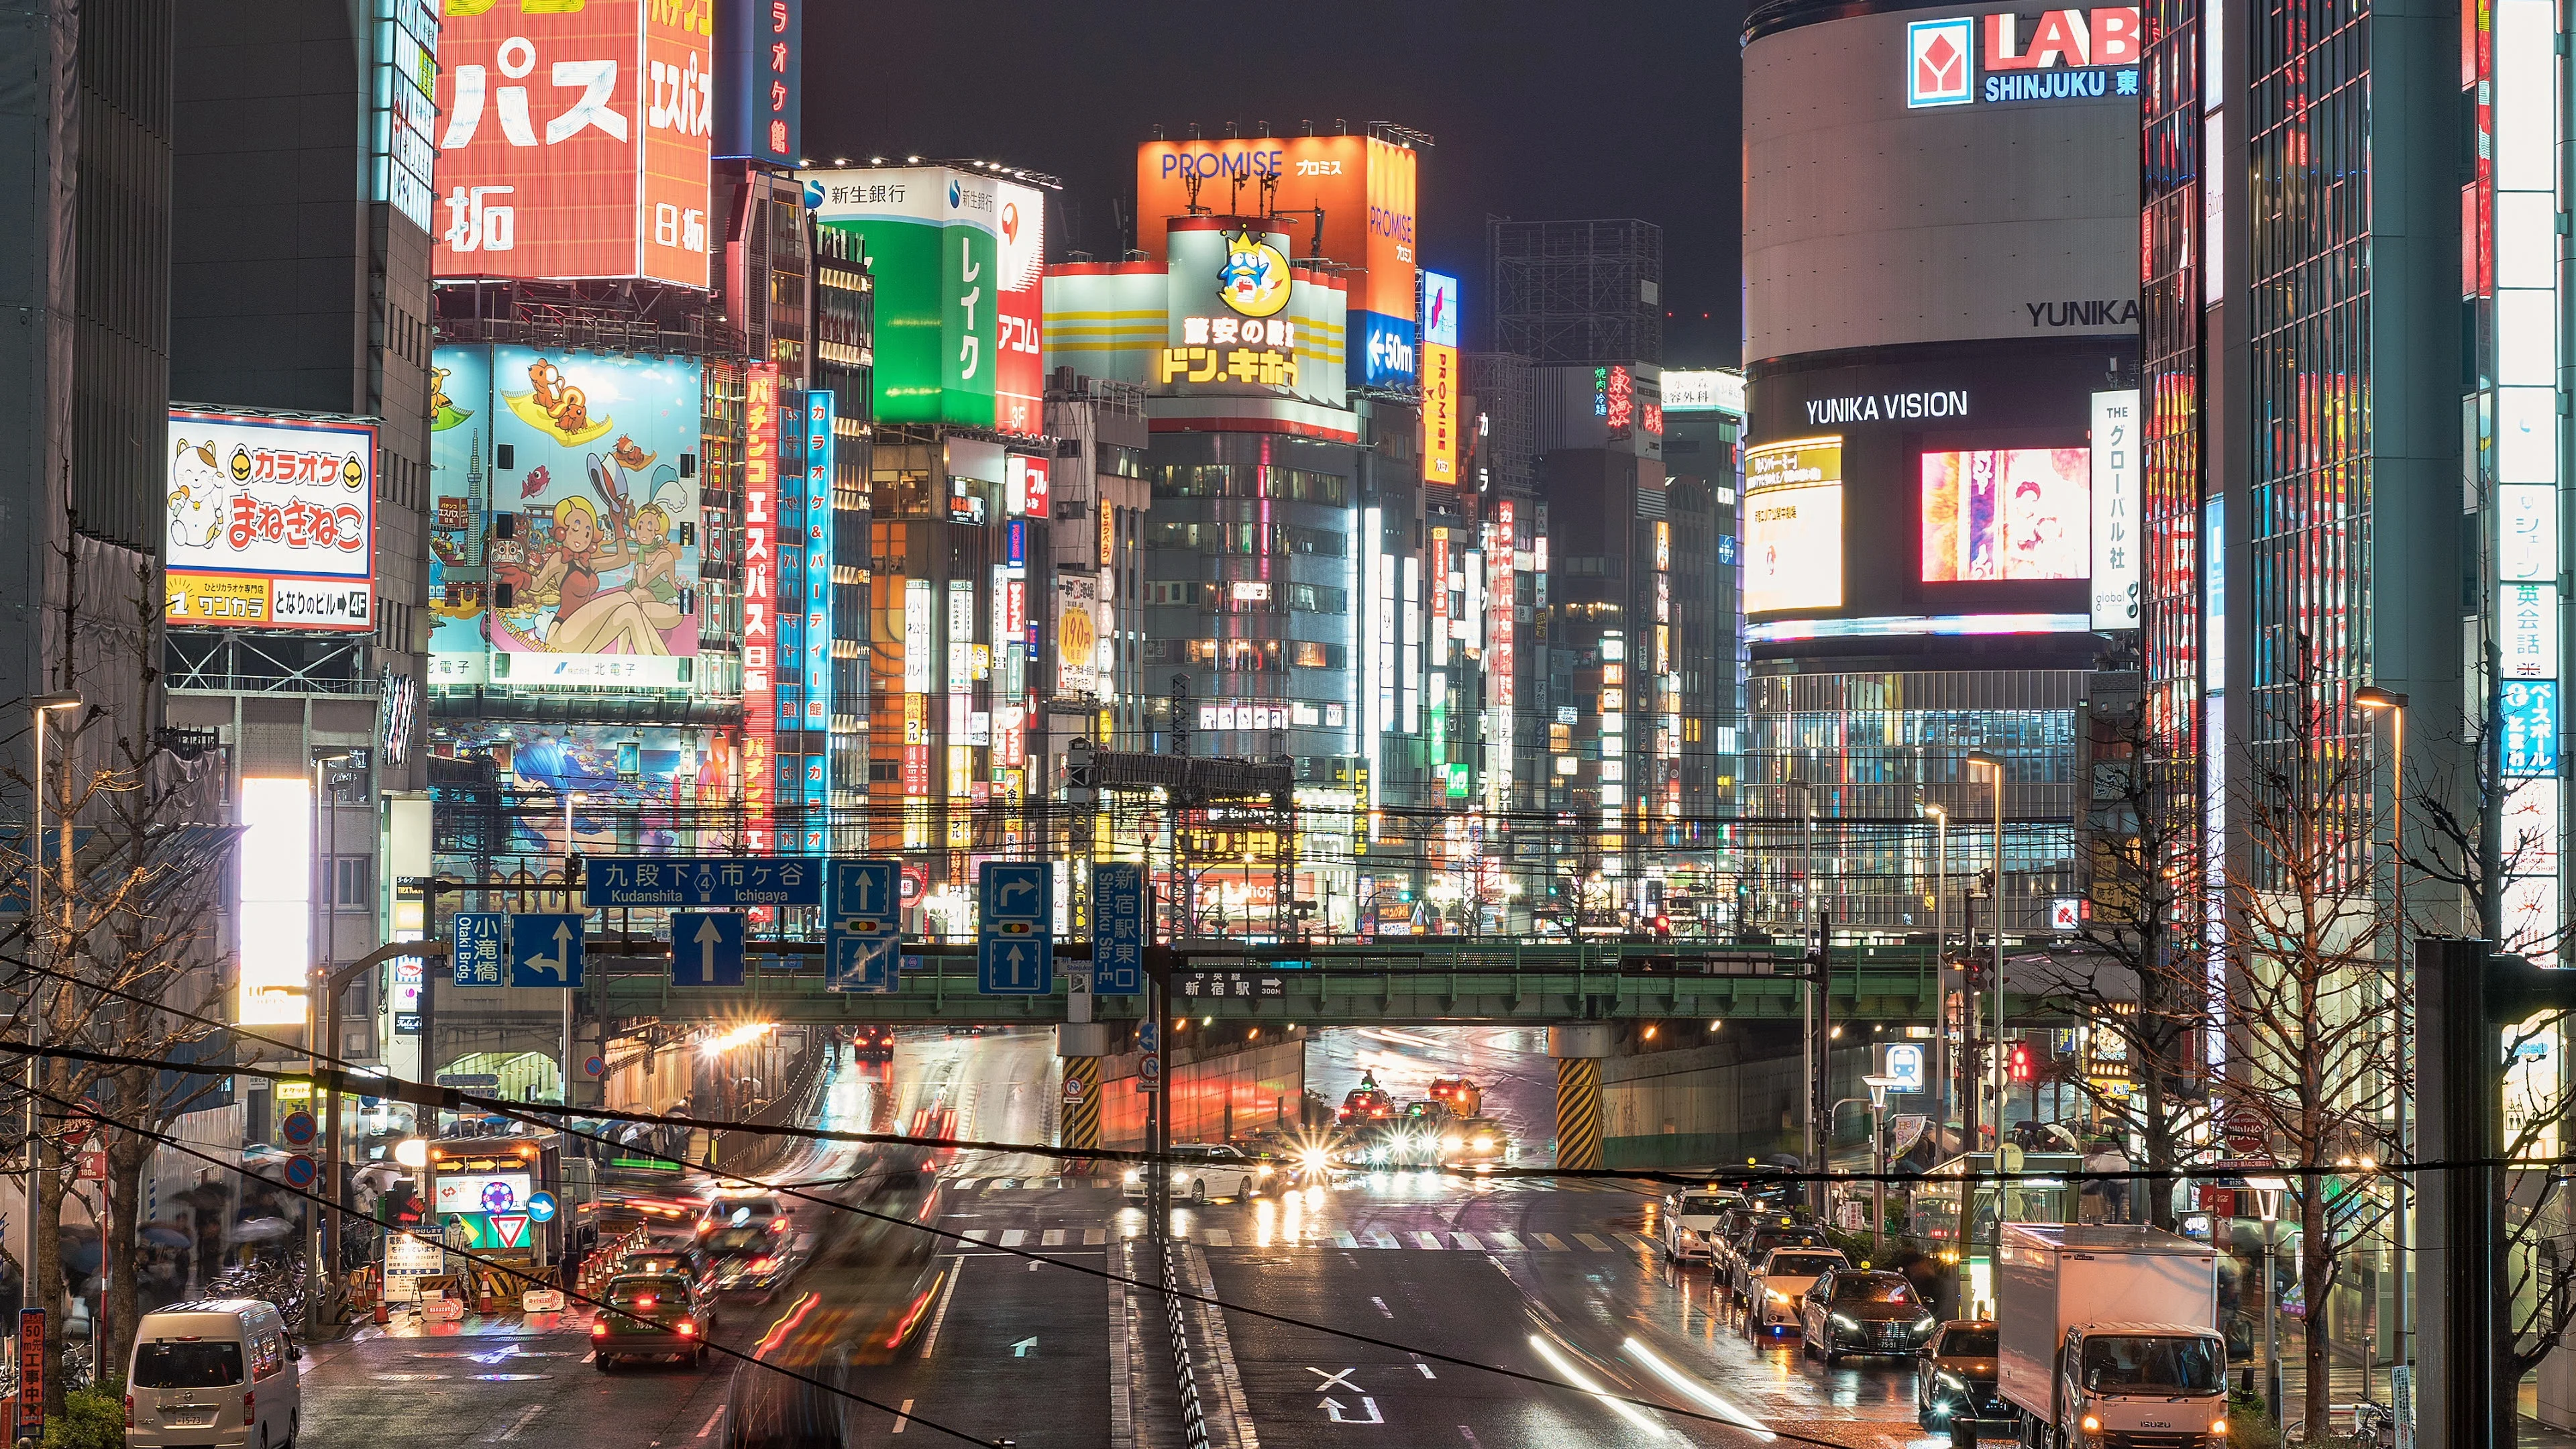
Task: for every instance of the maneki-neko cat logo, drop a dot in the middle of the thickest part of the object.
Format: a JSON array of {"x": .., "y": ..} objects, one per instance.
[{"x": 1254, "y": 279}]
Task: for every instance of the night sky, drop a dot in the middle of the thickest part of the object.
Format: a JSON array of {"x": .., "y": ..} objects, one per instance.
[{"x": 1539, "y": 111}]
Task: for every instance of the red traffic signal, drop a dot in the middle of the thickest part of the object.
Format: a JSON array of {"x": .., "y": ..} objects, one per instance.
[{"x": 2022, "y": 1066}]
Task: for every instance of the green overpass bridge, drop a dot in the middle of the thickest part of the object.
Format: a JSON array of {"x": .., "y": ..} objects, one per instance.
[{"x": 1412, "y": 983}]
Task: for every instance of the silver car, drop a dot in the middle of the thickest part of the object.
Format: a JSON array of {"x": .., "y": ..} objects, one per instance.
[
  {"x": 1202, "y": 1172},
  {"x": 1690, "y": 1221}
]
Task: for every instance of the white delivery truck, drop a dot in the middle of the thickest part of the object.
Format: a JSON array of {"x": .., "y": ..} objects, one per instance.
[{"x": 2107, "y": 1338}]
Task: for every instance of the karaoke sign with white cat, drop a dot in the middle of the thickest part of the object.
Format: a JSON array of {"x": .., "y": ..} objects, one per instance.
[{"x": 271, "y": 522}]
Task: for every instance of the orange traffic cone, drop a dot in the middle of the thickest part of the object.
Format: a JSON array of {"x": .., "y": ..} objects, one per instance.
[{"x": 383, "y": 1313}]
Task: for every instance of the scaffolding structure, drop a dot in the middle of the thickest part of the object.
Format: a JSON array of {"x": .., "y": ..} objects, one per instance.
[{"x": 1578, "y": 292}]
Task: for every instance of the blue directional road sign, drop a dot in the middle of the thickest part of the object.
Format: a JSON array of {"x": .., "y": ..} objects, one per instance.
[
  {"x": 864, "y": 891},
  {"x": 1015, "y": 939},
  {"x": 545, "y": 950},
  {"x": 862, "y": 963},
  {"x": 706, "y": 948},
  {"x": 1118, "y": 930},
  {"x": 724, "y": 882},
  {"x": 541, "y": 1206},
  {"x": 478, "y": 945}
]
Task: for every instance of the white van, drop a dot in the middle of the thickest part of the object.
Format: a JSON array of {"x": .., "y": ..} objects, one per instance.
[{"x": 215, "y": 1374}]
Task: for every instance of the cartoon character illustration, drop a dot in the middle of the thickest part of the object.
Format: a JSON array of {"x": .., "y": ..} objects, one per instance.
[
  {"x": 557, "y": 406},
  {"x": 568, "y": 405},
  {"x": 197, "y": 493},
  {"x": 629, "y": 455},
  {"x": 1254, "y": 277},
  {"x": 587, "y": 619},
  {"x": 656, "y": 586}
]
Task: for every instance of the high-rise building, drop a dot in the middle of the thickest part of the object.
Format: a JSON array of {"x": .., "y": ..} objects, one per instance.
[
  {"x": 87, "y": 372},
  {"x": 1939, "y": 348}
]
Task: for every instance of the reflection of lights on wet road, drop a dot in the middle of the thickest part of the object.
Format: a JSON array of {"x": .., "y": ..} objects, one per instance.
[
  {"x": 1385, "y": 1033},
  {"x": 1578, "y": 1379},
  {"x": 1692, "y": 1389}
]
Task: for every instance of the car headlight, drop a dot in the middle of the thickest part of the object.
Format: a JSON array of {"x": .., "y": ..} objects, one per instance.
[
  {"x": 1775, "y": 1295},
  {"x": 1949, "y": 1380},
  {"x": 1926, "y": 1323},
  {"x": 2218, "y": 1426},
  {"x": 2091, "y": 1425},
  {"x": 1133, "y": 1177},
  {"x": 1316, "y": 1160},
  {"x": 1452, "y": 1144},
  {"x": 1844, "y": 1321},
  {"x": 1262, "y": 1171},
  {"x": 1484, "y": 1144}
]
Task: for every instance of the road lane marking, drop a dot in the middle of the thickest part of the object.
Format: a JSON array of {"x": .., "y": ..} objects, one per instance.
[
  {"x": 1426, "y": 1369},
  {"x": 1216, "y": 1237},
  {"x": 1595, "y": 1244},
  {"x": 1381, "y": 1238},
  {"x": 709, "y": 1426},
  {"x": 965, "y": 1184},
  {"x": 1329, "y": 1380},
  {"x": 939, "y": 1315},
  {"x": 903, "y": 1416},
  {"x": 1552, "y": 1242},
  {"x": 1345, "y": 1240},
  {"x": 1052, "y": 1238},
  {"x": 511, "y": 1430},
  {"x": 1001, "y": 1183},
  {"x": 1470, "y": 1436},
  {"x": 1428, "y": 1240},
  {"x": 1505, "y": 1240},
  {"x": 1094, "y": 1237},
  {"x": 979, "y": 1235},
  {"x": 1013, "y": 1237},
  {"x": 1468, "y": 1242},
  {"x": 1382, "y": 1308}
]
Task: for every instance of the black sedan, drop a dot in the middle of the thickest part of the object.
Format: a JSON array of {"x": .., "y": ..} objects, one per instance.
[
  {"x": 1956, "y": 1377},
  {"x": 1854, "y": 1310}
]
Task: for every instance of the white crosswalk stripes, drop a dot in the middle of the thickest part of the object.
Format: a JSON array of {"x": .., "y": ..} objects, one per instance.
[
  {"x": 1248, "y": 1233},
  {"x": 1509, "y": 1242},
  {"x": 1429, "y": 1240},
  {"x": 1551, "y": 1242},
  {"x": 1345, "y": 1240},
  {"x": 1381, "y": 1238},
  {"x": 1467, "y": 1241},
  {"x": 1094, "y": 1237},
  {"x": 1054, "y": 1238},
  {"x": 1013, "y": 1237},
  {"x": 1589, "y": 1241}
]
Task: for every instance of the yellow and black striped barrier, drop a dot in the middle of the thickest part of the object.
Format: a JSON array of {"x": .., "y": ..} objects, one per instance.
[
  {"x": 1080, "y": 1120},
  {"x": 1578, "y": 1112}
]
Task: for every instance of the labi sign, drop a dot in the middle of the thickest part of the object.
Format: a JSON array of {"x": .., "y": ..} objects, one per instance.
[{"x": 2056, "y": 55}]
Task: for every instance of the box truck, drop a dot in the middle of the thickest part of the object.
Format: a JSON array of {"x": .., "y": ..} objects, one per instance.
[{"x": 2107, "y": 1338}]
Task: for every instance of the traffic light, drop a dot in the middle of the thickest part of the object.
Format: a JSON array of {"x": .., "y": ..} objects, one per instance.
[{"x": 2022, "y": 1066}]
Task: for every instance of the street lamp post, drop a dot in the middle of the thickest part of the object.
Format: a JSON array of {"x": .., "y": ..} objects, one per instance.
[
  {"x": 29, "y": 1288},
  {"x": 321, "y": 1015},
  {"x": 1993, "y": 764},
  {"x": 2267, "y": 1197},
  {"x": 1878, "y": 1090},
  {"x": 2393, "y": 704},
  {"x": 1940, "y": 971}
]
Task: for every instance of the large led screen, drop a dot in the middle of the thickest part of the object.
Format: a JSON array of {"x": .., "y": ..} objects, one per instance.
[
  {"x": 1793, "y": 530},
  {"x": 2007, "y": 513}
]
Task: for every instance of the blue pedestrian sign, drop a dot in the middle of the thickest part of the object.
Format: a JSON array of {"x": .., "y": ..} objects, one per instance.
[
  {"x": 541, "y": 1206},
  {"x": 727, "y": 882},
  {"x": 706, "y": 948},
  {"x": 1015, "y": 939},
  {"x": 1118, "y": 930},
  {"x": 864, "y": 891},
  {"x": 476, "y": 948},
  {"x": 545, "y": 950},
  {"x": 862, "y": 963}
]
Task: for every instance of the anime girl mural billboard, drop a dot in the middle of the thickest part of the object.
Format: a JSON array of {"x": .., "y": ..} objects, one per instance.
[{"x": 583, "y": 511}]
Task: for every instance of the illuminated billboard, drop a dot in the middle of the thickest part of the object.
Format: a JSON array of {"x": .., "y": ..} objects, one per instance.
[
  {"x": 1440, "y": 379},
  {"x": 271, "y": 522},
  {"x": 1364, "y": 190},
  {"x": 761, "y": 607},
  {"x": 761, "y": 57},
  {"x": 2007, "y": 513},
  {"x": 564, "y": 530},
  {"x": 1709, "y": 390},
  {"x": 959, "y": 260},
  {"x": 274, "y": 875},
  {"x": 575, "y": 139},
  {"x": 2115, "y": 510},
  {"x": 1793, "y": 525}
]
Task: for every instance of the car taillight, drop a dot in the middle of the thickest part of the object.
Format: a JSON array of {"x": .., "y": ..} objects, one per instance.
[
  {"x": 599, "y": 1327},
  {"x": 129, "y": 1412},
  {"x": 250, "y": 1407},
  {"x": 778, "y": 1225},
  {"x": 763, "y": 1265},
  {"x": 688, "y": 1329}
]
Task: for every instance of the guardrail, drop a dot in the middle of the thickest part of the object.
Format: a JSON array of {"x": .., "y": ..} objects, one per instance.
[{"x": 1194, "y": 1425}]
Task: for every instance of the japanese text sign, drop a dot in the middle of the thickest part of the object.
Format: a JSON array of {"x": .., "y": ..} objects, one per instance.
[
  {"x": 721, "y": 881},
  {"x": 575, "y": 139},
  {"x": 271, "y": 522}
]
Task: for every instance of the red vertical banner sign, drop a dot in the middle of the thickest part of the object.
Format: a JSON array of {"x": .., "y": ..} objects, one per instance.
[
  {"x": 760, "y": 605},
  {"x": 31, "y": 1373}
]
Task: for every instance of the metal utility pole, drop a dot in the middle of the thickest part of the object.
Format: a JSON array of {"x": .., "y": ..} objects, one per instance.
[
  {"x": 1820, "y": 1048},
  {"x": 1940, "y": 972},
  {"x": 1967, "y": 1027}
]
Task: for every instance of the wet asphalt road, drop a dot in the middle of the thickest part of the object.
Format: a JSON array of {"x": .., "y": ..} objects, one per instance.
[{"x": 1005, "y": 1335}]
